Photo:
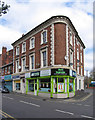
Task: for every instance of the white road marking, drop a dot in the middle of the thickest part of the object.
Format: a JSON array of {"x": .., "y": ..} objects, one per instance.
[
  {"x": 79, "y": 104},
  {"x": 87, "y": 116},
  {"x": 87, "y": 105},
  {"x": 8, "y": 97},
  {"x": 64, "y": 112},
  {"x": 30, "y": 103}
]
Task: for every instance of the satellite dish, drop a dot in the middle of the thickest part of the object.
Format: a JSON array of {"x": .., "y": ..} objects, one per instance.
[{"x": 66, "y": 57}]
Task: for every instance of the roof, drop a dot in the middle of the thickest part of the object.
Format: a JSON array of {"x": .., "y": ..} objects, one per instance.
[{"x": 43, "y": 23}]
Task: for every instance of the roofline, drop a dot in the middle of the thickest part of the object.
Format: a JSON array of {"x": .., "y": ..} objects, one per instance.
[{"x": 53, "y": 17}]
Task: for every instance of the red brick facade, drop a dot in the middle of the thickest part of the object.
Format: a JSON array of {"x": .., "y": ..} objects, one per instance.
[
  {"x": 59, "y": 45},
  {"x": 7, "y": 61}
]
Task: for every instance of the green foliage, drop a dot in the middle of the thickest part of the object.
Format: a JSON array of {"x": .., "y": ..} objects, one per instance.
[{"x": 3, "y": 8}]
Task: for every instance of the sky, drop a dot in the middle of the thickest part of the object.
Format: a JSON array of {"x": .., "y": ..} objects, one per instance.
[{"x": 24, "y": 15}]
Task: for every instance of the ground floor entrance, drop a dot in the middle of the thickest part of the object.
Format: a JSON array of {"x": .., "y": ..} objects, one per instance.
[{"x": 52, "y": 86}]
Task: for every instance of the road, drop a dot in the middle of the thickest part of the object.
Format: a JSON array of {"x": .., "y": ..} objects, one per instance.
[{"x": 25, "y": 106}]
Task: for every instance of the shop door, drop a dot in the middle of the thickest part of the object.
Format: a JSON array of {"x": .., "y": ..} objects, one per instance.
[
  {"x": 35, "y": 91},
  {"x": 8, "y": 84}
]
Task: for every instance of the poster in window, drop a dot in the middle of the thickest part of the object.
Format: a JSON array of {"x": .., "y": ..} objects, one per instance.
[{"x": 60, "y": 87}]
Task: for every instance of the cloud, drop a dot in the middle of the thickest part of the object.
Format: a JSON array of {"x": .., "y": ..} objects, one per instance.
[
  {"x": 7, "y": 36},
  {"x": 24, "y": 15}
]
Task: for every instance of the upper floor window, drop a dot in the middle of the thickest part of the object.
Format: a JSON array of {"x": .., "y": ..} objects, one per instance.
[
  {"x": 81, "y": 57},
  {"x": 77, "y": 54},
  {"x": 17, "y": 65},
  {"x": 71, "y": 42},
  {"x": 32, "y": 42},
  {"x": 23, "y": 64},
  {"x": 24, "y": 47},
  {"x": 32, "y": 61},
  {"x": 9, "y": 69},
  {"x": 43, "y": 58},
  {"x": 44, "y": 37},
  {"x": 17, "y": 50},
  {"x": 5, "y": 70},
  {"x": 71, "y": 58},
  {"x": 2, "y": 71}
]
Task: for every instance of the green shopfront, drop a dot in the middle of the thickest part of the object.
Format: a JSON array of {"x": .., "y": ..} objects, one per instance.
[{"x": 54, "y": 83}]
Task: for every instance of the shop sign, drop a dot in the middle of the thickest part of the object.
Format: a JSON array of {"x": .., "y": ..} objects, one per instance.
[
  {"x": 60, "y": 71},
  {"x": 45, "y": 72},
  {"x": 35, "y": 74},
  {"x": 60, "y": 87},
  {"x": 27, "y": 75},
  {"x": 7, "y": 77},
  {"x": 72, "y": 73},
  {"x": 16, "y": 77},
  {"x": 22, "y": 75}
]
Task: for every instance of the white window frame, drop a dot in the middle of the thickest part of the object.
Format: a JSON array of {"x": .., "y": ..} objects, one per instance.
[
  {"x": 30, "y": 64},
  {"x": 42, "y": 36},
  {"x": 5, "y": 70},
  {"x": 71, "y": 57},
  {"x": 77, "y": 54},
  {"x": 81, "y": 57},
  {"x": 17, "y": 69},
  {"x": 22, "y": 47},
  {"x": 71, "y": 40},
  {"x": 22, "y": 69},
  {"x": 42, "y": 57},
  {"x": 77, "y": 68},
  {"x": 31, "y": 47},
  {"x": 17, "y": 50}
]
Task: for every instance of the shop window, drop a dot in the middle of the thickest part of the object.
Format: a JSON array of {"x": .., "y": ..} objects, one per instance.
[
  {"x": 44, "y": 85},
  {"x": 31, "y": 85},
  {"x": 70, "y": 85},
  {"x": 60, "y": 85},
  {"x": 17, "y": 86}
]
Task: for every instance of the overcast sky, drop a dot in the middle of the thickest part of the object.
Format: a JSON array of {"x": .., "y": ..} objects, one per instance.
[{"x": 24, "y": 15}]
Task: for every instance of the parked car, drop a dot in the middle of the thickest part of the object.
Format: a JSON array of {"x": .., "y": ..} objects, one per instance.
[{"x": 4, "y": 90}]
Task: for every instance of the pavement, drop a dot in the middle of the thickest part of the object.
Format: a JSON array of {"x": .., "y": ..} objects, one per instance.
[{"x": 79, "y": 96}]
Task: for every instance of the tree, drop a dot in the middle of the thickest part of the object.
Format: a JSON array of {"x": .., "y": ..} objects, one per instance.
[{"x": 3, "y": 8}]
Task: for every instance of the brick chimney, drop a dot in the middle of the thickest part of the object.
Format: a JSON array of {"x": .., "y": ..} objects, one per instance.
[{"x": 4, "y": 50}]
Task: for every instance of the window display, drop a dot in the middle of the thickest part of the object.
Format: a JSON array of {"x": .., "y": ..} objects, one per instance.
[
  {"x": 17, "y": 86},
  {"x": 70, "y": 85},
  {"x": 44, "y": 85}
]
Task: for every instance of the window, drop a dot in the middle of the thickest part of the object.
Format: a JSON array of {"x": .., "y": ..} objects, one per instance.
[
  {"x": 79, "y": 84},
  {"x": 24, "y": 47},
  {"x": 77, "y": 54},
  {"x": 44, "y": 85},
  {"x": 81, "y": 57},
  {"x": 78, "y": 68},
  {"x": 31, "y": 86},
  {"x": 9, "y": 69},
  {"x": 81, "y": 70},
  {"x": 23, "y": 64},
  {"x": 17, "y": 86},
  {"x": 17, "y": 50},
  {"x": 71, "y": 42},
  {"x": 71, "y": 58},
  {"x": 44, "y": 37},
  {"x": 70, "y": 85},
  {"x": 32, "y": 62},
  {"x": 60, "y": 85},
  {"x": 32, "y": 42},
  {"x": 44, "y": 58},
  {"x": 2, "y": 71},
  {"x": 17, "y": 66},
  {"x": 5, "y": 70}
]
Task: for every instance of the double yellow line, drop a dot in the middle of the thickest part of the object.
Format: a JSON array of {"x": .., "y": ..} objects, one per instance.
[{"x": 6, "y": 115}]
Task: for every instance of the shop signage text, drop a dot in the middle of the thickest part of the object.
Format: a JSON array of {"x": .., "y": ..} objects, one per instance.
[
  {"x": 45, "y": 72},
  {"x": 16, "y": 77},
  {"x": 35, "y": 74},
  {"x": 60, "y": 71},
  {"x": 7, "y": 77},
  {"x": 27, "y": 75}
]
